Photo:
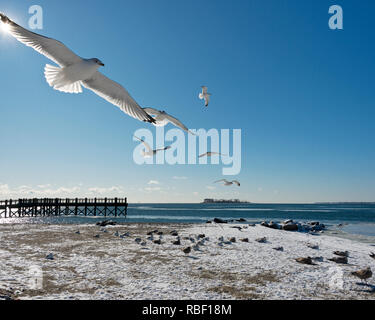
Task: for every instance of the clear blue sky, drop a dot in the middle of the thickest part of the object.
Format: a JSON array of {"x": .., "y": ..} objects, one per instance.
[{"x": 302, "y": 94}]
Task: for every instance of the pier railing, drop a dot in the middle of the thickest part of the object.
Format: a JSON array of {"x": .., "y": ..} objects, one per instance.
[{"x": 58, "y": 207}]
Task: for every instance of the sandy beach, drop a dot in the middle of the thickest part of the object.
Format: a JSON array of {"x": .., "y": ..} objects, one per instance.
[{"x": 114, "y": 267}]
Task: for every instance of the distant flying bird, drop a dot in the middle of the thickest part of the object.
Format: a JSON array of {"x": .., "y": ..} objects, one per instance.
[
  {"x": 363, "y": 274},
  {"x": 228, "y": 183},
  {"x": 210, "y": 154},
  {"x": 205, "y": 95},
  {"x": 150, "y": 153},
  {"x": 74, "y": 72},
  {"x": 162, "y": 118}
]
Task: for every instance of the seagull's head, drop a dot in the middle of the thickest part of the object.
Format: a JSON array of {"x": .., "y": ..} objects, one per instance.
[{"x": 97, "y": 61}]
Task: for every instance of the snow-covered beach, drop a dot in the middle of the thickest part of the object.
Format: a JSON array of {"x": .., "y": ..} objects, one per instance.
[{"x": 112, "y": 267}]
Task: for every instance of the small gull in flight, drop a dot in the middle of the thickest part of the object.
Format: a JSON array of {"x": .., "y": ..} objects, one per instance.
[
  {"x": 210, "y": 154},
  {"x": 150, "y": 153},
  {"x": 162, "y": 118},
  {"x": 228, "y": 183},
  {"x": 205, "y": 95},
  {"x": 74, "y": 72}
]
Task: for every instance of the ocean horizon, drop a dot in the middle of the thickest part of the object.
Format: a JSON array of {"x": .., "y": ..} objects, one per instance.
[{"x": 355, "y": 218}]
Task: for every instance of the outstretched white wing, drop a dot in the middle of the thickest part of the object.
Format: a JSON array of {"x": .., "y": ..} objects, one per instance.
[
  {"x": 152, "y": 111},
  {"x": 177, "y": 123},
  {"x": 144, "y": 143},
  {"x": 222, "y": 180},
  {"x": 51, "y": 48},
  {"x": 117, "y": 95},
  {"x": 163, "y": 149},
  {"x": 162, "y": 118}
]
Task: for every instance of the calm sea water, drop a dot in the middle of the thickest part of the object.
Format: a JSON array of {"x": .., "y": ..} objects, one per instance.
[{"x": 358, "y": 218}]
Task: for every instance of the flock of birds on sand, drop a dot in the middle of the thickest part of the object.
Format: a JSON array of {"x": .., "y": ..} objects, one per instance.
[
  {"x": 75, "y": 72},
  {"x": 197, "y": 242}
]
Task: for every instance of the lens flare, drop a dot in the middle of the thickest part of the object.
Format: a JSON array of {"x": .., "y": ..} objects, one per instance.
[{"x": 4, "y": 27}]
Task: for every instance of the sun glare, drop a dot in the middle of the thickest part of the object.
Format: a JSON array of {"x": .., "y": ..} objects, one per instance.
[{"x": 4, "y": 27}]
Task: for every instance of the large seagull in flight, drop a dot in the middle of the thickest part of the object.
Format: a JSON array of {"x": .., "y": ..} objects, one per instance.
[{"x": 74, "y": 72}]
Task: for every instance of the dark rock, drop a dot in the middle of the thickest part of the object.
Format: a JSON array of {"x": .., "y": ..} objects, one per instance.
[
  {"x": 201, "y": 236},
  {"x": 278, "y": 248},
  {"x": 264, "y": 224},
  {"x": 241, "y": 220},
  {"x": 157, "y": 241},
  {"x": 209, "y": 221},
  {"x": 177, "y": 243},
  {"x": 233, "y": 239},
  {"x": 218, "y": 220},
  {"x": 245, "y": 240},
  {"x": 290, "y": 227},
  {"x": 273, "y": 225},
  {"x": 261, "y": 240},
  {"x": 174, "y": 233}
]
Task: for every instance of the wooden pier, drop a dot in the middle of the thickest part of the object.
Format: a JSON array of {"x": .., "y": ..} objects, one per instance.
[{"x": 63, "y": 207}]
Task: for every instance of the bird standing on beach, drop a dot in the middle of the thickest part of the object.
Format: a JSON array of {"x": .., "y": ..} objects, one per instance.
[
  {"x": 342, "y": 260},
  {"x": 204, "y": 95},
  {"x": 228, "y": 183},
  {"x": 161, "y": 119},
  {"x": 363, "y": 274},
  {"x": 307, "y": 260},
  {"x": 187, "y": 250},
  {"x": 341, "y": 253},
  {"x": 150, "y": 153},
  {"x": 74, "y": 72}
]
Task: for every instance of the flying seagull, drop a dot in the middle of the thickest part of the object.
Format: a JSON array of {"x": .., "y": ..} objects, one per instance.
[
  {"x": 210, "y": 154},
  {"x": 74, "y": 72},
  {"x": 162, "y": 118},
  {"x": 205, "y": 95},
  {"x": 228, "y": 183},
  {"x": 150, "y": 153}
]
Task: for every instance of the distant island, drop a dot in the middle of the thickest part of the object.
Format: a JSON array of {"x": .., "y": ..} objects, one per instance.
[
  {"x": 348, "y": 202},
  {"x": 224, "y": 201}
]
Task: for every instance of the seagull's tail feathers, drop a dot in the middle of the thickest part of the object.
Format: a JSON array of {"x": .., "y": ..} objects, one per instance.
[{"x": 55, "y": 78}]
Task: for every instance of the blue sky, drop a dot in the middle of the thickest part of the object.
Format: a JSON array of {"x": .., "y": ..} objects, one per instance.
[{"x": 302, "y": 94}]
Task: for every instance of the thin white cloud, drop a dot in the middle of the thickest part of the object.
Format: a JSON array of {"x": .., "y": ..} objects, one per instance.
[
  {"x": 151, "y": 189},
  {"x": 153, "y": 182},
  {"x": 211, "y": 188},
  {"x": 180, "y": 178}
]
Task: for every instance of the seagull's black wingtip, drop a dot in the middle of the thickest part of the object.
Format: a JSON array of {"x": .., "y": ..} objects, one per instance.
[{"x": 4, "y": 18}]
